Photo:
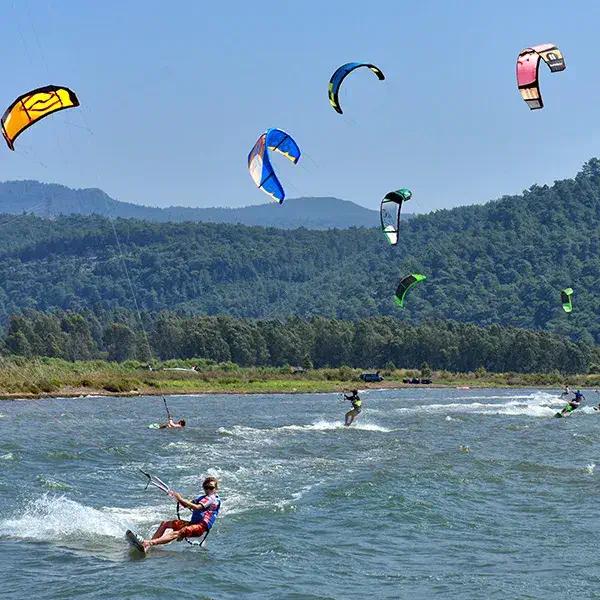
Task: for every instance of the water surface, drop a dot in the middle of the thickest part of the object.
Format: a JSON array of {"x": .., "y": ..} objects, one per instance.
[{"x": 431, "y": 494}]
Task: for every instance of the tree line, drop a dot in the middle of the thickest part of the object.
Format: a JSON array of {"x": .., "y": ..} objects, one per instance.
[
  {"x": 379, "y": 342},
  {"x": 500, "y": 263}
]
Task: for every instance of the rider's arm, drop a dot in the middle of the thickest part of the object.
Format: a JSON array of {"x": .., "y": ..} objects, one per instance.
[{"x": 188, "y": 504}]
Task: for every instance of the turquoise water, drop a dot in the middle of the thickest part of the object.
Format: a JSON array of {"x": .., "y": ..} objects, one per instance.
[{"x": 431, "y": 494}]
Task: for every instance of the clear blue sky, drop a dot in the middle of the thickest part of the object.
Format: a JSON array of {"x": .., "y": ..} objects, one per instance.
[{"x": 174, "y": 95}]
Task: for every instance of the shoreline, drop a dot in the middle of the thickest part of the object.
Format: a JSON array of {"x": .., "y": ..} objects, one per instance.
[{"x": 102, "y": 393}]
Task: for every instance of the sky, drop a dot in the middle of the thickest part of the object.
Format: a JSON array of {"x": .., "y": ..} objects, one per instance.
[{"x": 174, "y": 95}]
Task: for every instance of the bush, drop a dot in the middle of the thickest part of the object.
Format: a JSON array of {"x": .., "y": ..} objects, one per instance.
[
  {"x": 124, "y": 385},
  {"x": 425, "y": 370}
]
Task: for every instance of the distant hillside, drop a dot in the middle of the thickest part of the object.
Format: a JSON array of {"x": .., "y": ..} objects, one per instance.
[
  {"x": 51, "y": 200},
  {"x": 502, "y": 263}
]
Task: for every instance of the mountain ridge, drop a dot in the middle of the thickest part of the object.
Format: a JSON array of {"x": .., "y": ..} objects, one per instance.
[
  {"x": 50, "y": 200},
  {"x": 502, "y": 264}
]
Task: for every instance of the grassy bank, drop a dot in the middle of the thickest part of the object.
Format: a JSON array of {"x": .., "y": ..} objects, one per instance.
[{"x": 39, "y": 377}]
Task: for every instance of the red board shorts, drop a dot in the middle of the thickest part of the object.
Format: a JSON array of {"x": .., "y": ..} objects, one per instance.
[{"x": 187, "y": 529}]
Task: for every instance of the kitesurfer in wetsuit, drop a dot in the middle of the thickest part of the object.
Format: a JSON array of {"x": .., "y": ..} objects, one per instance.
[
  {"x": 205, "y": 509},
  {"x": 574, "y": 403},
  {"x": 170, "y": 424},
  {"x": 356, "y": 407}
]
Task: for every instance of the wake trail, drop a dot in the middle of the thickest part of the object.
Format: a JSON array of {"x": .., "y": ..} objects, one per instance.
[
  {"x": 320, "y": 425},
  {"x": 532, "y": 405},
  {"x": 60, "y": 519}
]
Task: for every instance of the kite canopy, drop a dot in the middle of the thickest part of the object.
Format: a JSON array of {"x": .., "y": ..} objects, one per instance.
[
  {"x": 340, "y": 74},
  {"x": 566, "y": 297},
  {"x": 33, "y": 106},
  {"x": 390, "y": 213},
  {"x": 259, "y": 163},
  {"x": 405, "y": 284},
  {"x": 528, "y": 63}
]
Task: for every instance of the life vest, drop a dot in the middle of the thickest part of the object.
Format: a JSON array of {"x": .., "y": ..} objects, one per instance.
[{"x": 209, "y": 514}]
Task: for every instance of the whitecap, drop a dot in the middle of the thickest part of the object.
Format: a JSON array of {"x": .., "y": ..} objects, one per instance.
[{"x": 62, "y": 519}]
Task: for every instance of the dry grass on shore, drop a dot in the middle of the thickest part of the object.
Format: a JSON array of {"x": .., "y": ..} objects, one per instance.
[{"x": 39, "y": 377}]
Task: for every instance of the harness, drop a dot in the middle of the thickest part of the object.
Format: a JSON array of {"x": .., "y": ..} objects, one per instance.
[{"x": 199, "y": 544}]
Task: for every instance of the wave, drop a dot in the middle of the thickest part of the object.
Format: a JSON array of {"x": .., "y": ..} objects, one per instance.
[
  {"x": 60, "y": 519},
  {"x": 533, "y": 405},
  {"x": 505, "y": 396},
  {"x": 320, "y": 425},
  {"x": 53, "y": 484}
]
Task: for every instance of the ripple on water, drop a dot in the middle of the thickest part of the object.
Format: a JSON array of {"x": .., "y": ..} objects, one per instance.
[{"x": 469, "y": 492}]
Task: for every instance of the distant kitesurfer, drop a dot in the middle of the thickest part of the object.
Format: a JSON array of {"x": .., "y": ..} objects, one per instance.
[
  {"x": 356, "y": 407},
  {"x": 205, "y": 509},
  {"x": 566, "y": 392},
  {"x": 170, "y": 424},
  {"x": 573, "y": 403}
]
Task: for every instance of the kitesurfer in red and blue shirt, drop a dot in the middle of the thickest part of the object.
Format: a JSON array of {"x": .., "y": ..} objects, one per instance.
[{"x": 204, "y": 509}]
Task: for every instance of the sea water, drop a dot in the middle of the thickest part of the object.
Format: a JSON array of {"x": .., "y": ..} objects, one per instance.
[{"x": 431, "y": 493}]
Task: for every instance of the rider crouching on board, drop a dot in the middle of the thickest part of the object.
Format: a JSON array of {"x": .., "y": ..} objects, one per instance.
[
  {"x": 574, "y": 403},
  {"x": 204, "y": 509}
]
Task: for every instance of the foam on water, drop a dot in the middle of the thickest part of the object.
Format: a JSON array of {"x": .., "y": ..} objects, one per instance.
[
  {"x": 503, "y": 397},
  {"x": 59, "y": 518},
  {"x": 7, "y": 456},
  {"x": 320, "y": 425},
  {"x": 538, "y": 404}
]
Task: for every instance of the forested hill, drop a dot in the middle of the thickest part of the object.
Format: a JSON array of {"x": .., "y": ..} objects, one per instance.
[
  {"x": 504, "y": 262},
  {"x": 51, "y": 200}
]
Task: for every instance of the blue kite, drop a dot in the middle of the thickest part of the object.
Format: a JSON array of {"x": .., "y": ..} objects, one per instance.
[{"x": 259, "y": 163}]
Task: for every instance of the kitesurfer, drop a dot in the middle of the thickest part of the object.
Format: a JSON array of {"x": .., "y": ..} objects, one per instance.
[
  {"x": 170, "y": 424},
  {"x": 356, "y": 407},
  {"x": 205, "y": 509},
  {"x": 573, "y": 403}
]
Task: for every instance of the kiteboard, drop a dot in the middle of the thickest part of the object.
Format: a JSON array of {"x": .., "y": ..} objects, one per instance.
[
  {"x": 134, "y": 541},
  {"x": 558, "y": 415},
  {"x": 564, "y": 414}
]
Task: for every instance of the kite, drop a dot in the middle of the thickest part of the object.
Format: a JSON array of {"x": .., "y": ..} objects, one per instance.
[
  {"x": 259, "y": 163},
  {"x": 390, "y": 213},
  {"x": 33, "y": 106},
  {"x": 340, "y": 74},
  {"x": 528, "y": 63},
  {"x": 566, "y": 297},
  {"x": 405, "y": 284}
]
